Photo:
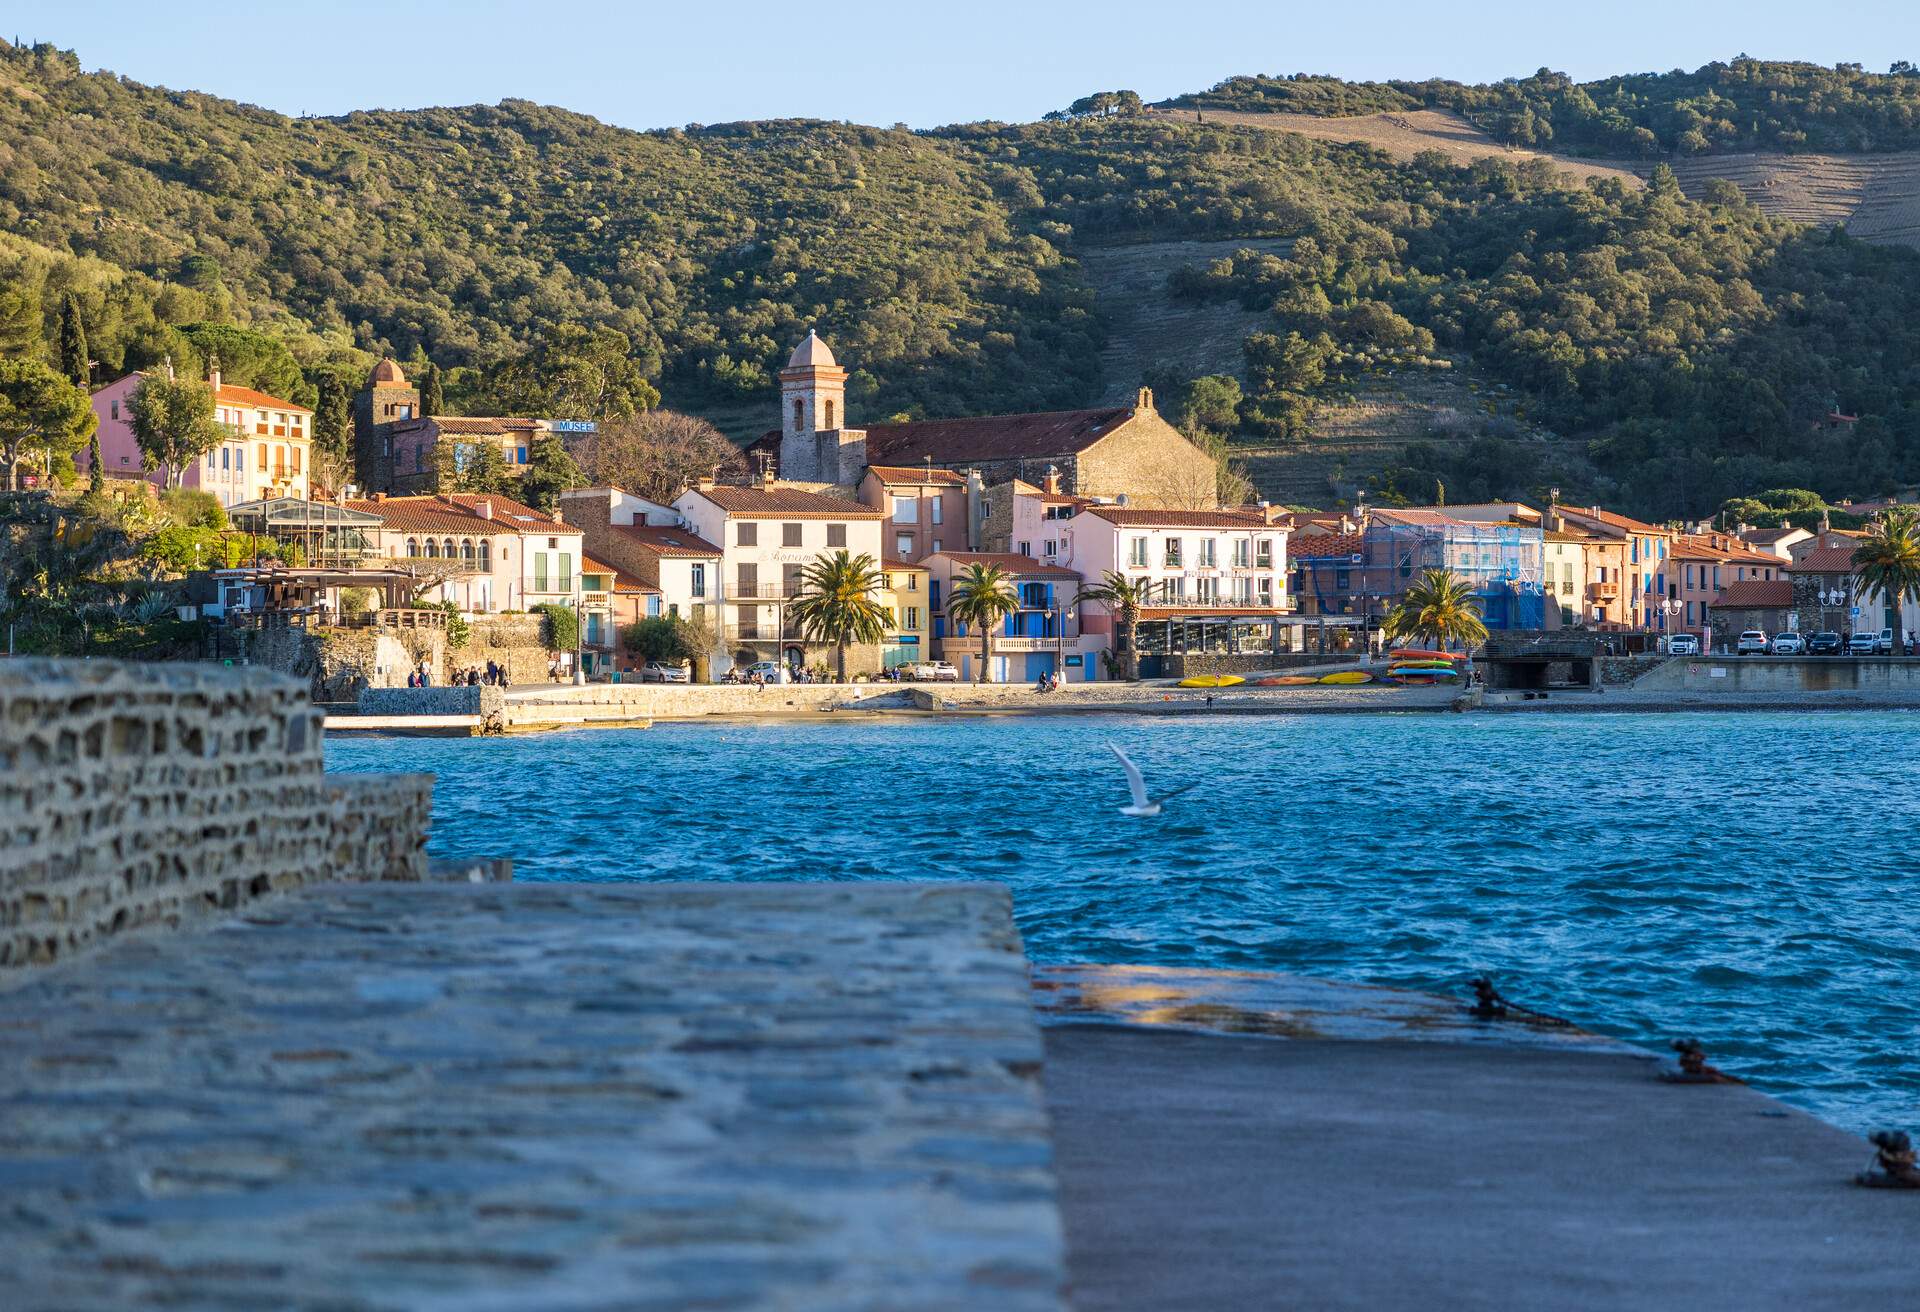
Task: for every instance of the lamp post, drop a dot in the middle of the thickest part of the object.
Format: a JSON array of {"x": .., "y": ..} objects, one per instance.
[{"x": 579, "y": 629}]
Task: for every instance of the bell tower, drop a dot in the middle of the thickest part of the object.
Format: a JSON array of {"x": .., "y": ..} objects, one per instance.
[{"x": 814, "y": 439}]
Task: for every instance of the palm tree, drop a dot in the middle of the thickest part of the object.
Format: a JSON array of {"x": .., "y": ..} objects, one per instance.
[
  {"x": 836, "y": 603},
  {"x": 1440, "y": 608},
  {"x": 1124, "y": 597},
  {"x": 982, "y": 595},
  {"x": 1888, "y": 563}
]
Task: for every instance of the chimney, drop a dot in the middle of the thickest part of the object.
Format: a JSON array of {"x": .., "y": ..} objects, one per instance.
[
  {"x": 379, "y": 496},
  {"x": 704, "y": 485},
  {"x": 1826, "y": 522},
  {"x": 484, "y": 509},
  {"x": 213, "y": 372},
  {"x": 1051, "y": 482},
  {"x": 1144, "y": 401}
]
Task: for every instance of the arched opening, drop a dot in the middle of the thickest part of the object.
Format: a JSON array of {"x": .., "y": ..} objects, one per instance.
[
  {"x": 799, "y": 414},
  {"x": 830, "y": 423},
  {"x": 466, "y": 550},
  {"x": 413, "y": 546},
  {"x": 486, "y": 551},
  {"x": 433, "y": 549}
]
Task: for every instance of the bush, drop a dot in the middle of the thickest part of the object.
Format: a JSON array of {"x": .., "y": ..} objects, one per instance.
[
  {"x": 192, "y": 508},
  {"x": 356, "y": 601},
  {"x": 559, "y": 626},
  {"x": 660, "y": 638},
  {"x": 459, "y": 632}
]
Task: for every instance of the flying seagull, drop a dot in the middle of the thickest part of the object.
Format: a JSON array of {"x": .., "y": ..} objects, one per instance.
[{"x": 1143, "y": 805}]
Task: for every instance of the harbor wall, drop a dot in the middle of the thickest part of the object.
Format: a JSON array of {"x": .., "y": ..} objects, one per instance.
[
  {"x": 138, "y": 796},
  {"x": 1786, "y": 675}
]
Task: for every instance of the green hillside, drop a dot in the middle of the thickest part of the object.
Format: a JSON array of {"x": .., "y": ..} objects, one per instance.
[{"x": 1672, "y": 353}]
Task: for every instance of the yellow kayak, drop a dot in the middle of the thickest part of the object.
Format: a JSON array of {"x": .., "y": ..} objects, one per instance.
[
  {"x": 1212, "y": 681},
  {"x": 1347, "y": 677}
]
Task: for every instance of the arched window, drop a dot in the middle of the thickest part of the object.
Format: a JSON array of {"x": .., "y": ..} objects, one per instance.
[
  {"x": 448, "y": 551},
  {"x": 799, "y": 415},
  {"x": 466, "y": 550},
  {"x": 486, "y": 551},
  {"x": 829, "y": 414},
  {"x": 413, "y": 546},
  {"x": 433, "y": 549}
]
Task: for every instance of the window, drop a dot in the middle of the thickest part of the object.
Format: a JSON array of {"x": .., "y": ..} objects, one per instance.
[
  {"x": 539, "y": 571},
  {"x": 566, "y": 572},
  {"x": 1024, "y": 548},
  {"x": 1263, "y": 554},
  {"x": 116, "y": 409},
  {"x": 1242, "y": 552},
  {"x": 790, "y": 535},
  {"x": 799, "y": 414},
  {"x": 293, "y": 461},
  {"x": 933, "y": 594},
  {"x": 433, "y": 549},
  {"x": 653, "y": 608},
  {"x": 1203, "y": 591},
  {"x": 413, "y": 546},
  {"x": 746, "y": 579},
  {"x": 1137, "y": 553},
  {"x": 552, "y": 543},
  {"x": 906, "y": 510},
  {"x": 790, "y": 580},
  {"x": 829, "y": 409},
  {"x": 520, "y": 456},
  {"x": 263, "y": 457},
  {"x": 1208, "y": 549},
  {"x": 913, "y": 617},
  {"x": 936, "y": 544},
  {"x": 697, "y": 580},
  {"x": 486, "y": 551},
  {"x": 747, "y": 534},
  {"x": 933, "y": 508},
  {"x": 1049, "y": 549},
  {"x": 447, "y": 549},
  {"x": 1342, "y": 580},
  {"x": 1266, "y": 591},
  {"x": 903, "y": 545},
  {"x": 1175, "y": 552},
  {"x": 836, "y": 535}
]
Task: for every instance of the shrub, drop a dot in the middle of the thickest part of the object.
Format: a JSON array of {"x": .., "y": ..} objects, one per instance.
[{"x": 559, "y": 626}]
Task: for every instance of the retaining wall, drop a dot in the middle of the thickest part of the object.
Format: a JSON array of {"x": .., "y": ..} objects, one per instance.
[
  {"x": 483, "y": 701},
  {"x": 141, "y": 795},
  {"x": 1785, "y": 675}
]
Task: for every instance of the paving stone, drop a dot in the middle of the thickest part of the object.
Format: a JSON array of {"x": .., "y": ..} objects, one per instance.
[{"x": 476, "y": 1096}]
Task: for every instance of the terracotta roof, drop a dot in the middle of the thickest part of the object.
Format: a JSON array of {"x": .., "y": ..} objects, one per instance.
[
  {"x": 1424, "y": 516},
  {"x": 1825, "y": 558},
  {"x": 668, "y": 541},
  {"x": 785, "y": 503},
  {"x": 1011, "y": 562},
  {"x": 387, "y": 371},
  {"x": 247, "y": 396},
  {"x": 1699, "y": 546},
  {"x": 1600, "y": 516},
  {"x": 917, "y": 474},
  {"x": 812, "y": 353},
  {"x": 1755, "y": 594},
  {"x": 889, "y": 563},
  {"x": 470, "y": 424},
  {"x": 1139, "y": 517},
  {"x": 457, "y": 512},
  {"x": 1554, "y": 535},
  {"x": 983, "y": 438},
  {"x": 1325, "y": 546},
  {"x": 625, "y": 582},
  {"x": 1771, "y": 535}
]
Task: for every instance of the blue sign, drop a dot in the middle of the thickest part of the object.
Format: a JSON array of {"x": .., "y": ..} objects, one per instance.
[
  {"x": 573, "y": 426},
  {"x": 1074, "y": 660},
  {"x": 909, "y": 640}
]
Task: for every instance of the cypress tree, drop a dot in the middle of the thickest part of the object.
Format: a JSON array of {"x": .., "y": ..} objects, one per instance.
[
  {"x": 431, "y": 402},
  {"x": 73, "y": 343},
  {"x": 96, "y": 477}
]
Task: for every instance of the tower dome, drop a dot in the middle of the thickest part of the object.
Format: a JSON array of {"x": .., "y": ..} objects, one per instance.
[
  {"x": 388, "y": 372},
  {"x": 812, "y": 354}
]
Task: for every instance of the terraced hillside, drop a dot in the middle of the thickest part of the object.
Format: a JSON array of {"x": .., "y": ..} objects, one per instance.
[
  {"x": 1147, "y": 329},
  {"x": 1877, "y": 196}
]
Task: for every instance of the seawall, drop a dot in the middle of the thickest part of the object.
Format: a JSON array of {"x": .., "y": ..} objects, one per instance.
[{"x": 1879, "y": 676}]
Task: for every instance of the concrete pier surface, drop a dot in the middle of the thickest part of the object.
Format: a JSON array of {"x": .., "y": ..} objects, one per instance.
[
  {"x": 1220, "y": 1174},
  {"x": 559, "y": 1096}
]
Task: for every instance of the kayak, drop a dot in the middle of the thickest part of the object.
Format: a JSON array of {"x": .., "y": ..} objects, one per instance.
[
  {"x": 1347, "y": 677},
  {"x": 1282, "y": 681},
  {"x": 1424, "y": 654},
  {"x": 1212, "y": 681},
  {"x": 1420, "y": 665}
]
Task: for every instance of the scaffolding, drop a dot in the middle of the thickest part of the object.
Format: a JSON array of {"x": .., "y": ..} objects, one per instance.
[{"x": 1370, "y": 571}]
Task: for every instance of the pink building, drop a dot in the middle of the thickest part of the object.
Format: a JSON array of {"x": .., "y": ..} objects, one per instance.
[
  {"x": 926, "y": 510},
  {"x": 268, "y": 450}
]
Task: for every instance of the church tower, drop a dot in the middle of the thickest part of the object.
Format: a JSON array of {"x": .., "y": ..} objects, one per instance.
[
  {"x": 387, "y": 399},
  {"x": 815, "y": 445}
]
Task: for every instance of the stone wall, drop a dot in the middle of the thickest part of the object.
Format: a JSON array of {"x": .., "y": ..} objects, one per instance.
[
  {"x": 337, "y": 664},
  {"x": 1148, "y": 461},
  {"x": 510, "y": 640},
  {"x": 143, "y": 795},
  {"x": 483, "y": 701},
  {"x": 1882, "y": 676}
]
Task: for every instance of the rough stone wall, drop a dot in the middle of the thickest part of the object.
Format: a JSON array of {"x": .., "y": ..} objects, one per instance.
[
  {"x": 141, "y": 795},
  {"x": 379, "y": 824},
  {"x": 510, "y": 640},
  {"x": 337, "y": 664},
  {"x": 1150, "y": 463},
  {"x": 482, "y": 701}
]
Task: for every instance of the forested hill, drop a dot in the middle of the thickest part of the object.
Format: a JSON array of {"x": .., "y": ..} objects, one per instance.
[
  {"x": 1682, "y": 352},
  {"x": 1744, "y": 104}
]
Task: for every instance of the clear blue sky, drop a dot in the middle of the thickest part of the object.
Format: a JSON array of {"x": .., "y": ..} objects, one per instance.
[{"x": 647, "y": 64}]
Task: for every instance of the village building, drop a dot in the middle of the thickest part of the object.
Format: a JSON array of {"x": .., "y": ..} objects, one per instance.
[
  {"x": 1563, "y": 578},
  {"x": 266, "y": 451},
  {"x": 489, "y": 553},
  {"x": 399, "y": 451},
  {"x": 1041, "y": 636},
  {"x": 1778, "y": 542},
  {"x": 1826, "y": 593},
  {"x": 1701, "y": 567},
  {"x": 1629, "y": 561},
  {"x": 909, "y": 636},
  {"x": 1105, "y": 451},
  {"x": 928, "y": 510},
  {"x": 650, "y": 544},
  {"x": 768, "y": 534},
  {"x": 1751, "y": 604}
]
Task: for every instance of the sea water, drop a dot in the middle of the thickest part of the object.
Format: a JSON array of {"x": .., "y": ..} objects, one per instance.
[{"x": 1748, "y": 879}]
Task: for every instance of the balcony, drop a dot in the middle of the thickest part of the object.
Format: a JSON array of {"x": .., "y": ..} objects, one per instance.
[
  {"x": 763, "y": 592},
  {"x": 1603, "y": 592}
]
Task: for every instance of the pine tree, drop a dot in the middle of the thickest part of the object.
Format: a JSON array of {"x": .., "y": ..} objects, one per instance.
[
  {"x": 431, "y": 402},
  {"x": 96, "y": 476},
  {"x": 72, "y": 345},
  {"x": 333, "y": 416}
]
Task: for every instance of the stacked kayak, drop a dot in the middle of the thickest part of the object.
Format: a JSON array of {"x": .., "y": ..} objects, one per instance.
[
  {"x": 1282, "y": 681},
  {"x": 1421, "y": 669},
  {"x": 1346, "y": 678},
  {"x": 1212, "y": 681}
]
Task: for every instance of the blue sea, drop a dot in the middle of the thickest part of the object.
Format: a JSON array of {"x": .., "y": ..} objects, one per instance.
[{"x": 1745, "y": 878}]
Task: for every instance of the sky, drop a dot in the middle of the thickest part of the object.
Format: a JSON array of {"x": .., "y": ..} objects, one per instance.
[{"x": 648, "y": 65}]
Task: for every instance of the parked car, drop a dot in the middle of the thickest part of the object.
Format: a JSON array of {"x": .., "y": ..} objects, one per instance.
[
  {"x": 1683, "y": 644},
  {"x": 1751, "y": 643},
  {"x": 661, "y": 672},
  {"x": 1789, "y": 644},
  {"x": 1883, "y": 645},
  {"x": 1825, "y": 644},
  {"x": 771, "y": 671},
  {"x": 1863, "y": 644},
  {"x": 935, "y": 672}
]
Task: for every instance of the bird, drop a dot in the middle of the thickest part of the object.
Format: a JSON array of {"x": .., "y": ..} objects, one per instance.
[{"x": 1143, "y": 806}]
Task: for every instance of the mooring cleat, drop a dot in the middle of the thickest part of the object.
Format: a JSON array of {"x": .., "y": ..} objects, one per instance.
[
  {"x": 1692, "y": 1067},
  {"x": 1893, "y": 1163}
]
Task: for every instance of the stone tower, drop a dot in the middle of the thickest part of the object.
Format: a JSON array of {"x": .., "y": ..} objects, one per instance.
[
  {"x": 815, "y": 446},
  {"x": 387, "y": 398}
]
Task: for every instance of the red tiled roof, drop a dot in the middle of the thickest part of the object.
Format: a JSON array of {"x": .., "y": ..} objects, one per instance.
[
  {"x": 920, "y": 474},
  {"x": 1824, "y": 558},
  {"x": 458, "y": 512},
  {"x": 983, "y": 438},
  {"x": 890, "y": 563},
  {"x": 247, "y": 396},
  {"x": 668, "y": 541},
  {"x": 1011, "y": 562},
  {"x": 625, "y": 582},
  {"x": 1600, "y": 516},
  {"x": 1698, "y": 546},
  {"x": 469, "y": 424},
  {"x": 1325, "y": 546},
  {"x": 1140, "y": 517},
  {"x": 1770, "y": 535},
  {"x": 1755, "y": 594},
  {"x": 785, "y": 503},
  {"x": 1422, "y": 516}
]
